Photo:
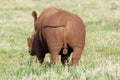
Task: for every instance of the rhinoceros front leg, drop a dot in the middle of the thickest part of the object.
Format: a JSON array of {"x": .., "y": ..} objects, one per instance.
[
  {"x": 65, "y": 57},
  {"x": 40, "y": 58}
]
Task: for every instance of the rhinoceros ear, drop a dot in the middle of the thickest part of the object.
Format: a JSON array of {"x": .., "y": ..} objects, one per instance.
[
  {"x": 34, "y": 14},
  {"x": 55, "y": 20}
]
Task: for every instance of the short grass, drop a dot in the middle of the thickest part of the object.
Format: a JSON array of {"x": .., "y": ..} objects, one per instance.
[{"x": 100, "y": 59}]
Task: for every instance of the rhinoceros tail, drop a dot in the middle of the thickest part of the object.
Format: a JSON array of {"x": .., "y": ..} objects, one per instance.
[{"x": 65, "y": 48}]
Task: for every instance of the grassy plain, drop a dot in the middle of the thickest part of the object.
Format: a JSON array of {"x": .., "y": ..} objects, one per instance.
[{"x": 100, "y": 59}]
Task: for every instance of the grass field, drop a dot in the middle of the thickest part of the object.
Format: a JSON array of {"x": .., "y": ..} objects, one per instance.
[{"x": 100, "y": 59}]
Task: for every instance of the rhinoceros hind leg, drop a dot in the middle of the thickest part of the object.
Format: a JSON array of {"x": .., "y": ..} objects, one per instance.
[{"x": 77, "y": 51}]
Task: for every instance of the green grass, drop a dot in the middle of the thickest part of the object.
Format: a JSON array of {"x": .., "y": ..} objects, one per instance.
[{"x": 100, "y": 59}]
